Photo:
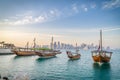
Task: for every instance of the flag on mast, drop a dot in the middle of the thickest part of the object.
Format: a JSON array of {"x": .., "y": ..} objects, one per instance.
[{"x": 99, "y": 46}]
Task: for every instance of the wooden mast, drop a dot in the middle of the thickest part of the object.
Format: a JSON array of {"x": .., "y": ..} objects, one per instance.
[
  {"x": 27, "y": 45},
  {"x": 101, "y": 40},
  {"x": 76, "y": 46},
  {"x": 34, "y": 43},
  {"x": 52, "y": 43},
  {"x": 76, "y": 49}
]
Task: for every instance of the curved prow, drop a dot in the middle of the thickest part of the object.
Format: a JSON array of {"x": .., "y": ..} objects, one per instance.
[
  {"x": 68, "y": 53},
  {"x": 110, "y": 54}
]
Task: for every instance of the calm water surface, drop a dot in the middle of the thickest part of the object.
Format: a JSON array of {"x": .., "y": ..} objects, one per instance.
[{"x": 60, "y": 67}]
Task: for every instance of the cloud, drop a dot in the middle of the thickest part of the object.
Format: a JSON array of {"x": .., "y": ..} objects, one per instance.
[
  {"x": 31, "y": 19},
  {"x": 54, "y": 13},
  {"x": 93, "y": 5},
  {"x": 39, "y": 19},
  {"x": 26, "y": 20},
  {"x": 75, "y": 8},
  {"x": 6, "y": 20},
  {"x": 111, "y": 4},
  {"x": 112, "y": 29},
  {"x": 84, "y": 7},
  {"x": 77, "y": 31},
  {"x": 92, "y": 30}
]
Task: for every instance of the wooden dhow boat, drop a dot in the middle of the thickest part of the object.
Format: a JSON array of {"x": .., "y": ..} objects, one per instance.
[
  {"x": 72, "y": 55},
  {"x": 101, "y": 55},
  {"x": 48, "y": 53},
  {"x": 25, "y": 51}
]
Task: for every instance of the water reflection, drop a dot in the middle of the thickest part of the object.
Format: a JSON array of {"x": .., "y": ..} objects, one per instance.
[
  {"x": 102, "y": 71},
  {"x": 73, "y": 59},
  {"x": 70, "y": 65},
  {"x": 44, "y": 59},
  {"x": 101, "y": 66},
  {"x": 18, "y": 57}
]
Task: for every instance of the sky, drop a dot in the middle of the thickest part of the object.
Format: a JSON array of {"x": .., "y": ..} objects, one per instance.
[{"x": 68, "y": 21}]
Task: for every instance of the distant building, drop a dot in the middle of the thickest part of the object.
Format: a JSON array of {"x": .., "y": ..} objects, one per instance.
[
  {"x": 45, "y": 46},
  {"x": 62, "y": 45},
  {"x": 108, "y": 48},
  {"x": 58, "y": 45},
  {"x": 54, "y": 45},
  {"x": 83, "y": 46}
]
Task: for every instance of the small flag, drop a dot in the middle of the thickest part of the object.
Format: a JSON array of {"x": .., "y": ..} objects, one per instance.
[{"x": 99, "y": 48}]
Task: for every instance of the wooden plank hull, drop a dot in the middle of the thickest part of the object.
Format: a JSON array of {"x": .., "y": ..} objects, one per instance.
[
  {"x": 102, "y": 59},
  {"x": 77, "y": 56},
  {"x": 24, "y": 53},
  {"x": 74, "y": 57},
  {"x": 46, "y": 55}
]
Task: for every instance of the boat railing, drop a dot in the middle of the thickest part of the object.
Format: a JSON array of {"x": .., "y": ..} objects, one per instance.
[
  {"x": 102, "y": 53},
  {"x": 23, "y": 49}
]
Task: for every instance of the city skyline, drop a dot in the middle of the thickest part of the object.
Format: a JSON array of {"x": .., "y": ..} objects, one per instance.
[{"x": 67, "y": 21}]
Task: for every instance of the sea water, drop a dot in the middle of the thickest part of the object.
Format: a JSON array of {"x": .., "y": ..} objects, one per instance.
[{"x": 60, "y": 67}]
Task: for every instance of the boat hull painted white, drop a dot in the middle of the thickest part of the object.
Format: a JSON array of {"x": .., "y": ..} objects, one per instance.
[{"x": 4, "y": 51}]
